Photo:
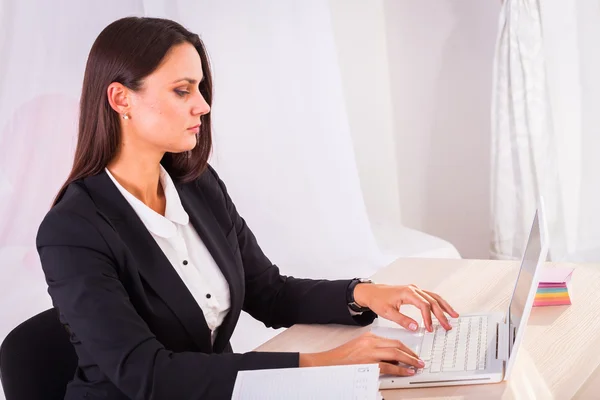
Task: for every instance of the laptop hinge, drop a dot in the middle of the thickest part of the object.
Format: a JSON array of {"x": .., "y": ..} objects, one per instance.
[{"x": 501, "y": 341}]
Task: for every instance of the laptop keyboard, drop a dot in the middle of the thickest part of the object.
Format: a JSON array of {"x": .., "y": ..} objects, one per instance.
[{"x": 463, "y": 348}]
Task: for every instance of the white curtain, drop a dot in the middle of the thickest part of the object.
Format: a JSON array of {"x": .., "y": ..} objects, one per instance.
[
  {"x": 544, "y": 127},
  {"x": 282, "y": 142},
  {"x": 282, "y": 136}
]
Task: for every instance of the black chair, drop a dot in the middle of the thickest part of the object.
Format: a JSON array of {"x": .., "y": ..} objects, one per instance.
[{"x": 37, "y": 360}]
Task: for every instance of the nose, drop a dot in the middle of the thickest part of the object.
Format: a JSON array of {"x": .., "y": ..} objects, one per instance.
[{"x": 200, "y": 107}]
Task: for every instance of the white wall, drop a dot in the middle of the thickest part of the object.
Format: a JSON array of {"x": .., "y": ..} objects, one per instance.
[
  {"x": 417, "y": 85},
  {"x": 440, "y": 62}
]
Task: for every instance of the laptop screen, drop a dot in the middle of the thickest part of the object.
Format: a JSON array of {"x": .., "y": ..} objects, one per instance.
[{"x": 523, "y": 288}]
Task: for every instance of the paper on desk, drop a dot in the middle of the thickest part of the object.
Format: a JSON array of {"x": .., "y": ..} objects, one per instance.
[
  {"x": 555, "y": 275},
  {"x": 357, "y": 382}
]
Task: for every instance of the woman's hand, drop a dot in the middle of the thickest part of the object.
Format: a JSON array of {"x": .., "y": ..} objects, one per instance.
[
  {"x": 368, "y": 349},
  {"x": 385, "y": 301}
]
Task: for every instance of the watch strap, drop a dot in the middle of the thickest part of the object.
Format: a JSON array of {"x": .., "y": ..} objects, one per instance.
[{"x": 350, "y": 295}]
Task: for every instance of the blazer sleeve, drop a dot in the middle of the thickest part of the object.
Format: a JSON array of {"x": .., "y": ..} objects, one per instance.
[
  {"x": 83, "y": 282},
  {"x": 282, "y": 301}
]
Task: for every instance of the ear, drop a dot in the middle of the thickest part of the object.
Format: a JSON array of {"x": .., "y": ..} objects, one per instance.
[{"x": 119, "y": 97}]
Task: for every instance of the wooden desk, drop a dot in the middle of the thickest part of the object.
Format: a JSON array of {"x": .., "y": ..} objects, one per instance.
[{"x": 560, "y": 356}]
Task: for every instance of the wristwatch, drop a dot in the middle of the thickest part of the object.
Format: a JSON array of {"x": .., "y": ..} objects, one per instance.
[{"x": 350, "y": 295}]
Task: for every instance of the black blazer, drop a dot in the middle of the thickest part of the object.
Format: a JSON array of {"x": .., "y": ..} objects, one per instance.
[{"x": 136, "y": 328}]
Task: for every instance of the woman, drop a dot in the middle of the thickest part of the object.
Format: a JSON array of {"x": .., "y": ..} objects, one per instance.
[{"x": 146, "y": 257}]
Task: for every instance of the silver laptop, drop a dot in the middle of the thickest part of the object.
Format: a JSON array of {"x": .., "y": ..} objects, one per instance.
[{"x": 482, "y": 347}]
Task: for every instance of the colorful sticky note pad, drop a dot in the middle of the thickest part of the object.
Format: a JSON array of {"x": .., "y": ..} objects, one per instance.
[{"x": 553, "y": 289}]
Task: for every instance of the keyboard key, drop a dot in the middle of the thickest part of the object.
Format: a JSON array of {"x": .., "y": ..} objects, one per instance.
[
  {"x": 471, "y": 364},
  {"x": 426, "y": 347}
]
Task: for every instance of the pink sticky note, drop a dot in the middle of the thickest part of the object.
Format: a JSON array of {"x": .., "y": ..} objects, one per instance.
[{"x": 555, "y": 275}]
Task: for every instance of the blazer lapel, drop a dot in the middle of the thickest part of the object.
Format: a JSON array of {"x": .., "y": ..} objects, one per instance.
[
  {"x": 153, "y": 265},
  {"x": 213, "y": 237}
]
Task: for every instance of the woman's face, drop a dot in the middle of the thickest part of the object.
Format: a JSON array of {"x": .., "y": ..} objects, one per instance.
[{"x": 164, "y": 115}]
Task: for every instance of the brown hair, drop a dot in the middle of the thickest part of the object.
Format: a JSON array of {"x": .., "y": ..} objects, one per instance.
[{"x": 127, "y": 51}]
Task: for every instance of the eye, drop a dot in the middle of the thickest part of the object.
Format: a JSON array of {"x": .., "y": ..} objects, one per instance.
[{"x": 181, "y": 93}]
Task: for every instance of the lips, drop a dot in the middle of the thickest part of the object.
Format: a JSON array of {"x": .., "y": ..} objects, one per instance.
[{"x": 194, "y": 128}]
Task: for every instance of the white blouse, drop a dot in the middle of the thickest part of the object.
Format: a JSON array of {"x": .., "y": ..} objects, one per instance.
[{"x": 182, "y": 246}]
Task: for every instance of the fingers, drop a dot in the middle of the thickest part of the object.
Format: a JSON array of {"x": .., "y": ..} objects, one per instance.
[
  {"x": 391, "y": 369},
  {"x": 422, "y": 304},
  {"x": 392, "y": 355},
  {"x": 444, "y": 304},
  {"x": 393, "y": 314},
  {"x": 437, "y": 310},
  {"x": 429, "y": 302},
  {"x": 395, "y": 344}
]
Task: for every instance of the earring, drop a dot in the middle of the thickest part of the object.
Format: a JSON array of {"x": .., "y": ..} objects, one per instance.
[{"x": 125, "y": 116}]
